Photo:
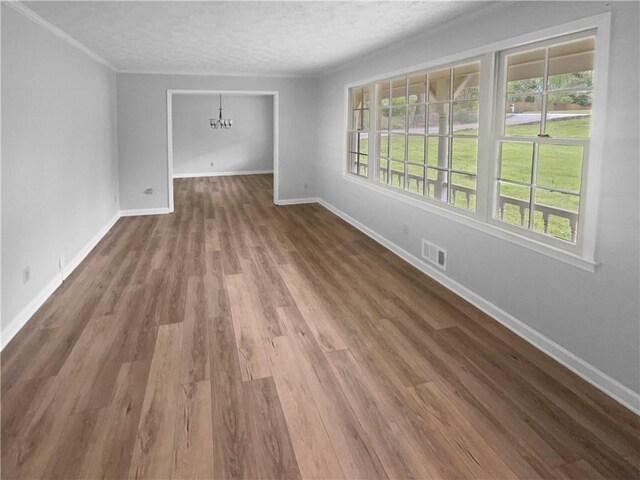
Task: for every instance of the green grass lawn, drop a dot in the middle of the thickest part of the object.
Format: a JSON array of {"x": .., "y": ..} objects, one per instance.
[{"x": 559, "y": 166}]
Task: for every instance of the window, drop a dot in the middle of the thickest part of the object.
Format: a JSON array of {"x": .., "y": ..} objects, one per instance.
[
  {"x": 359, "y": 131},
  {"x": 544, "y": 138},
  {"x": 427, "y": 133},
  {"x": 504, "y": 137}
]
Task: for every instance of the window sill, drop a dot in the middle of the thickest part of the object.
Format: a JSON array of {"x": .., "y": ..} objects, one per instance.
[{"x": 528, "y": 243}]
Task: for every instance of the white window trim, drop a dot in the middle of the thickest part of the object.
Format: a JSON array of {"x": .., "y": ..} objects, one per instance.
[
  {"x": 584, "y": 258},
  {"x": 498, "y": 137}
]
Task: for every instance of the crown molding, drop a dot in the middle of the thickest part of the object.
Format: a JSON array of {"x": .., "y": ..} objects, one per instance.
[
  {"x": 25, "y": 11},
  {"x": 214, "y": 74}
]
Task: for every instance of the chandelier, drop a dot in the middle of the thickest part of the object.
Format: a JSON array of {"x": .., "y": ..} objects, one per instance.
[{"x": 220, "y": 122}]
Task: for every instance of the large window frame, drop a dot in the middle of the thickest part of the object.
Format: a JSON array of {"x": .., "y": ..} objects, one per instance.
[
  {"x": 539, "y": 143},
  {"x": 580, "y": 254}
]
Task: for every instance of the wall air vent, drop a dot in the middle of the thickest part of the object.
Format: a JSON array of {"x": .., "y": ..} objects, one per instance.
[{"x": 434, "y": 254}]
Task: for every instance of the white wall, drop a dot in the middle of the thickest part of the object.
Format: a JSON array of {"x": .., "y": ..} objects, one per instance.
[
  {"x": 594, "y": 316},
  {"x": 246, "y": 147},
  {"x": 142, "y": 132},
  {"x": 59, "y": 156}
]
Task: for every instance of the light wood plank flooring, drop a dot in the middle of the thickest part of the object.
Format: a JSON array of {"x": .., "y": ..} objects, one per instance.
[{"x": 236, "y": 339}]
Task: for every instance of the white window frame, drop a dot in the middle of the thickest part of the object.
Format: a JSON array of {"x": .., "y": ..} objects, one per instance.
[
  {"x": 581, "y": 255},
  {"x": 351, "y": 131},
  {"x": 498, "y": 137}
]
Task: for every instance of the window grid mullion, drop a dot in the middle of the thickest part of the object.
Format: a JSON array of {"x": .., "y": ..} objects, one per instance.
[
  {"x": 532, "y": 194},
  {"x": 545, "y": 80},
  {"x": 450, "y": 149},
  {"x": 406, "y": 133}
]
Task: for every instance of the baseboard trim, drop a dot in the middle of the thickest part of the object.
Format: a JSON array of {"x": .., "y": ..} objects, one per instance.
[
  {"x": 222, "y": 174},
  {"x": 619, "y": 392},
  {"x": 297, "y": 201},
  {"x": 143, "y": 211},
  {"x": 82, "y": 254},
  {"x": 32, "y": 307}
]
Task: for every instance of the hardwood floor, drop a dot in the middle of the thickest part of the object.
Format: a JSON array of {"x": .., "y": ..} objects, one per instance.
[{"x": 236, "y": 339}]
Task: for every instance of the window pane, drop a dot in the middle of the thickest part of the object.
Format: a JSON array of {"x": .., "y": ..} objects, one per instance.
[
  {"x": 437, "y": 184},
  {"x": 416, "y": 118},
  {"x": 357, "y": 98},
  {"x": 463, "y": 191},
  {"x": 365, "y": 120},
  {"x": 383, "y": 89},
  {"x": 560, "y": 166},
  {"x": 569, "y": 115},
  {"x": 383, "y": 176},
  {"x": 571, "y": 64},
  {"x": 415, "y": 179},
  {"x": 465, "y": 118},
  {"x": 363, "y": 141},
  {"x": 525, "y": 71},
  {"x": 398, "y": 119},
  {"x": 556, "y": 214},
  {"x": 353, "y": 163},
  {"x": 439, "y": 119},
  {"x": 513, "y": 203},
  {"x": 383, "y": 119},
  {"x": 356, "y": 120},
  {"x": 522, "y": 115},
  {"x": 383, "y": 143},
  {"x": 440, "y": 85},
  {"x": 363, "y": 165},
  {"x": 417, "y": 89},
  {"x": 353, "y": 142},
  {"x": 399, "y": 91},
  {"x": 516, "y": 161},
  {"x": 366, "y": 98},
  {"x": 396, "y": 174},
  {"x": 464, "y": 153},
  {"x": 397, "y": 147},
  {"x": 438, "y": 151},
  {"x": 466, "y": 81},
  {"x": 416, "y": 148}
]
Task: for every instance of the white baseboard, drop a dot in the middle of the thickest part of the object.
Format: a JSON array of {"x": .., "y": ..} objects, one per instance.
[
  {"x": 32, "y": 307},
  {"x": 27, "y": 312},
  {"x": 143, "y": 211},
  {"x": 580, "y": 367},
  {"x": 82, "y": 254},
  {"x": 221, "y": 174},
  {"x": 297, "y": 201}
]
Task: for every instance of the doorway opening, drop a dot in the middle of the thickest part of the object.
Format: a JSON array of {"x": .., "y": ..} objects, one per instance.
[{"x": 192, "y": 148}]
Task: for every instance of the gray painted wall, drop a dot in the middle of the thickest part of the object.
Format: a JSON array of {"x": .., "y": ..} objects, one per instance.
[
  {"x": 595, "y": 316},
  {"x": 142, "y": 131},
  {"x": 246, "y": 147},
  {"x": 59, "y": 155}
]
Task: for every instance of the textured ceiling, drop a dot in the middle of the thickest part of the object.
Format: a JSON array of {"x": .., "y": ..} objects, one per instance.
[{"x": 269, "y": 38}]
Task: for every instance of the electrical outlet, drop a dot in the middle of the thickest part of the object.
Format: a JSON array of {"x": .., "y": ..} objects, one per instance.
[
  {"x": 405, "y": 229},
  {"x": 26, "y": 274},
  {"x": 306, "y": 185},
  {"x": 61, "y": 262},
  {"x": 212, "y": 164},
  {"x": 115, "y": 199}
]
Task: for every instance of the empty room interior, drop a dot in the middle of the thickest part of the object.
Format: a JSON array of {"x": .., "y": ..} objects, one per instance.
[{"x": 320, "y": 240}]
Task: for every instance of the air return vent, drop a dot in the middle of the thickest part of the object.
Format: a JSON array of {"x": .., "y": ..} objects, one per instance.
[{"x": 434, "y": 254}]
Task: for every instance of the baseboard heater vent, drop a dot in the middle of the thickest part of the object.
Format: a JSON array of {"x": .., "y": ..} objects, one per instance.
[{"x": 432, "y": 253}]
